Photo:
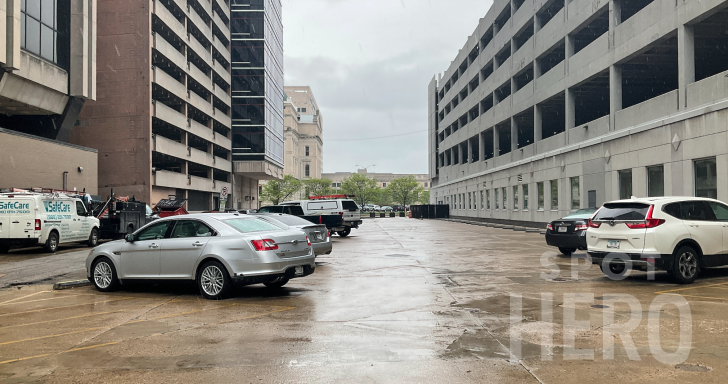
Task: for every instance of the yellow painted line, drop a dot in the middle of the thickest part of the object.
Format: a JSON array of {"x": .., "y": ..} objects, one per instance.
[
  {"x": 37, "y": 300},
  {"x": 65, "y": 306},
  {"x": 180, "y": 314},
  {"x": 23, "y": 297},
  {"x": 51, "y": 336},
  {"x": 48, "y": 354},
  {"x": 683, "y": 289},
  {"x": 24, "y": 358},
  {"x": 89, "y": 347},
  {"x": 702, "y": 297},
  {"x": 76, "y": 317}
]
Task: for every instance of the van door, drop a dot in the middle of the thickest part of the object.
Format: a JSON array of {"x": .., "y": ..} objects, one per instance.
[
  {"x": 20, "y": 218},
  {"x": 83, "y": 222}
]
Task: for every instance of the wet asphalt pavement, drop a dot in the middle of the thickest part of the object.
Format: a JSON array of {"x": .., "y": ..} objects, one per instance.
[{"x": 399, "y": 301}]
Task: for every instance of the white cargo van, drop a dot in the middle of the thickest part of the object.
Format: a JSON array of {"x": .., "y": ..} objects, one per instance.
[
  {"x": 47, "y": 219},
  {"x": 332, "y": 205}
]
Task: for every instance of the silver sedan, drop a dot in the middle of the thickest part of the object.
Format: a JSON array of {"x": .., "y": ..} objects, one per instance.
[
  {"x": 319, "y": 236},
  {"x": 217, "y": 251}
]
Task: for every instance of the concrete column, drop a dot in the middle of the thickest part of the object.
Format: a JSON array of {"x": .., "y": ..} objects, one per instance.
[
  {"x": 470, "y": 151},
  {"x": 570, "y": 113},
  {"x": 686, "y": 61},
  {"x": 514, "y": 134},
  {"x": 11, "y": 35},
  {"x": 639, "y": 181},
  {"x": 615, "y": 18},
  {"x": 496, "y": 143},
  {"x": 537, "y": 123},
  {"x": 615, "y": 95},
  {"x": 688, "y": 178},
  {"x": 481, "y": 147},
  {"x": 569, "y": 47},
  {"x": 721, "y": 164}
]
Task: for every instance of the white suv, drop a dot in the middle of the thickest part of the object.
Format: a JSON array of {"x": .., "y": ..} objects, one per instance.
[{"x": 678, "y": 234}]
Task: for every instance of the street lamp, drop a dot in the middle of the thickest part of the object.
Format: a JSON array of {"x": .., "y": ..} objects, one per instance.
[{"x": 367, "y": 167}]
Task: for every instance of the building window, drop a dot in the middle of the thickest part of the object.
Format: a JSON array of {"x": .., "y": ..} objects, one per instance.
[
  {"x": 487, "y": 199},
  {"x": 307, "y": 151},
  {"x": 540, "y": 202},
  {"x": 515, "y": 197},
  {"x": 470, "y": 203},
  {"x": 656, "y": 181},
  {"x": 497, "y": 204},
  {"x": 575, "y": 196},
  {"x": 303, "y": 110},
  {"x": 475, "y": 200},
  {"x": 482, "y": 207},
  {"x": 308, "y": 170},
  {"x": 384, "y": 184},
  {"x": 706, "y": 178},
  {"x": 44, "y": 27},
  {"x": 525, "y": 197},
  {"x": 554, "y": 195},
  {"x": 625, "y": 184},
  {"x": 505, "y": 197}
]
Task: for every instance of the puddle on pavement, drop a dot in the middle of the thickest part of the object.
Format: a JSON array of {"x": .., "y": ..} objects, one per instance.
[
  {"x": 481, "y": 345},
  {"x": 693, "y": 368}
]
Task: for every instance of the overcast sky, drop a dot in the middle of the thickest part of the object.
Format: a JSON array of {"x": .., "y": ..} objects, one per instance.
[{"x": 369, "y": 64}]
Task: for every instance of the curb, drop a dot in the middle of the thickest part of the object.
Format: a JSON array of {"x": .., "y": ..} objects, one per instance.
[{"x": 70, "y": 284}]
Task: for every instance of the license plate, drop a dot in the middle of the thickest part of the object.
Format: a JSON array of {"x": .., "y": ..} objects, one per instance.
[
  {"x": 563, "y": 229},
  {"x": 299, "y": 271},
  {"x": 613, "y": 244}
]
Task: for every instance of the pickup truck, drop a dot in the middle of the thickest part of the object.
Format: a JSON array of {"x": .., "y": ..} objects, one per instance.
[{"x": 334, "y": 223}]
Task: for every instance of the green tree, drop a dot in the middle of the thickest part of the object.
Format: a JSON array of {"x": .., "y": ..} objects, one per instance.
[
  {"x": 364, "y": 188},
  {"x": 424, "y": 198},
  {"x": 318, "y": 187},
  {"x": 276, "y": 191},
  {"x": 405, "y": 190},
  {"x": 382, "y": 197}
]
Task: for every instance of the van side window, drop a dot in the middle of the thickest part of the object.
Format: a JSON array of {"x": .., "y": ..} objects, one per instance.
[{"x": 80, "y": 209}]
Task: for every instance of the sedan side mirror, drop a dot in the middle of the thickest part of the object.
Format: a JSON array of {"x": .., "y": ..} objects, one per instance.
[{"x": 129, "y": 238}]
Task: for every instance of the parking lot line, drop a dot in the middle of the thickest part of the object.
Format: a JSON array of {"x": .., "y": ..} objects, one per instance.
[
  {"x": 23, "y": 358},
  {"x": 37, "y": 300},
  {"x": 76, "y": 317},
  {"x": 22, "y": 297},
  {"x": 51, "y": 336},
  {"x": 89, "y": 347},
  {"x": 694, "y": 287},
  {"x": 180, "y": 314},
  {"x": 702, "y": 297},
  {"x": 58, "y": 353}
]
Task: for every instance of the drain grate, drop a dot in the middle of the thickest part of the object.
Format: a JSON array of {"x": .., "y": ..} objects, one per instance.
[
  {"x": 693, "y": 368},
  {"x": 397, "y": 255},
  {"x": 600, "y": 306}
]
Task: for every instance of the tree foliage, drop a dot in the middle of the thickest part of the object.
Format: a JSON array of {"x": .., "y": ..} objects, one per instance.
[
  {"x": 276, "y": 191},
  {"x": 424, "y": 198},
  {"x": 364, "y": 188},
  {"x": 318, "y": 187},
  {"x": 405, "y": 190}
]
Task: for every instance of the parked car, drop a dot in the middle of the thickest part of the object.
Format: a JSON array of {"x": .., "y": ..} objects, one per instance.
[
  {"x": 398, "y": 208},
  {"x": 681, "y": 235},
  {"x": 386, "y": 208},
  {"x": 332, "y": 205},
  {"x": 319, "y": 236},
  {"x": 569, "y": 232},
  {"x": 333, "y": 221},
  {"x": 216, "y": 251}
]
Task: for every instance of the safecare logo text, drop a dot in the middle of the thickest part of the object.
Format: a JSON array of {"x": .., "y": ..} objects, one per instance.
[
  {"x": 56, "y": 206},
  {"x": 14, "y": 205}
]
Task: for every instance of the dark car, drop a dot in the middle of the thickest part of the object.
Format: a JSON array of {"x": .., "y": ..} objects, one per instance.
[{"x": 569, "y": 232}]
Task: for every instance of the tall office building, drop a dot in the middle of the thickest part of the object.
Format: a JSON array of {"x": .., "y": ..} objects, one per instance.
[
  {"x": 47, "y": 73},
  {"x": 161, "y": 122},
  {"x": 304, "y": 134},
  {"x": 557, "y": 105},
  {"x": 257, "y": 96}
]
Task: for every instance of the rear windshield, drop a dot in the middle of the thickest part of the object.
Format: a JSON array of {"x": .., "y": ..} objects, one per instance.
[
  {"x": 294, "y": 210},
  {"x": 322, "y": 205},
  {"x": 349, "y": 205},
  {"x": 291, "y": 220},
  {"x": 251, "y": 225},
  {"x": 623, "y": 211},
  {"x": 580, "y": 214}
]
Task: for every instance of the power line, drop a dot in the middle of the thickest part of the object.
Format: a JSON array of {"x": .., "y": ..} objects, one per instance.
[{"x": 380, "y": 137}]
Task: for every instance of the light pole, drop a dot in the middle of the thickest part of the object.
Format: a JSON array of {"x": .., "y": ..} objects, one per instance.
[{"x": 366, "y": 168}]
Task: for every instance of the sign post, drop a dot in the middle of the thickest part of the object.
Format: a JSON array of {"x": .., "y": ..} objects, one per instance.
[{"x": 223, "y": 198}]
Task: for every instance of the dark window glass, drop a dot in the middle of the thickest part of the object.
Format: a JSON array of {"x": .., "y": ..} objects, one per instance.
[
  {"x": 719, "y": 210},
  {"x": 623, "y": 211},
  {"x": 248, "y": 111},
  {"x": 80, "y": 209},
  {"x": 625, "y": 184},
  {"x": 706, "y": 179},
  {"x": 248, "y": 82},
  {"x": 154, "y": 231},
  {"x": 696, "y": 211},
  {"x": 656, "y": 181},
  {"x": 246, "y": 4},
  {"x": 191, "y": 228},
  {"x": 349, "y": 205},
  {"x": 672, "y": 210},
  {"x": 247, "y": 25},
  {"x": 248, "y": 53},
  {"x": 248, "y": 140},
  {"x": 271, "y": 210},
  {"x": 45, "y": 30},
  {"x": 294, "y": 210},
  {"x": 308, "y": 170}
]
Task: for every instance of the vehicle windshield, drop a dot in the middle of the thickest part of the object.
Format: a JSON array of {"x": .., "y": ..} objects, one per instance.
[
  {"x": 251, "y": 225},
  {"x": 622, "y": 211},
  {"x": 290, "y": 220},
  {"x": 581, "y": 214}
]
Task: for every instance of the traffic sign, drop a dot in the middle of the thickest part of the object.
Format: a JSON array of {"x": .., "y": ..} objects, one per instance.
[{"x": 223, "y": 193}]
